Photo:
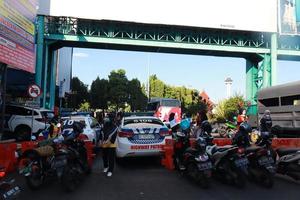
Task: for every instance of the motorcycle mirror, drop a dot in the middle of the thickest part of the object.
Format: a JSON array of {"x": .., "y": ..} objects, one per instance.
[{"x": 33, "y": 138}]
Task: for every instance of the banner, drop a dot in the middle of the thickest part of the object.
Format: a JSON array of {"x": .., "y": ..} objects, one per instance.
[
  {"x": 17, "y": 29},
  {"x": 289, "y": 17}
]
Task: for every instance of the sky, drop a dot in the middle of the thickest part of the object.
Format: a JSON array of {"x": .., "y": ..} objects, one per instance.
[{"x": 192, "y": 71}]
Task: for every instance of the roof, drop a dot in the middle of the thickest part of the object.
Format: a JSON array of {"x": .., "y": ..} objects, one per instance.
[
  {"x": 288, "y": 89},
  {"x": 153, "y": 99},
  {"x": 228, "y": 80},
  {"x": 76, "y": 117},
  {"x": 141, "y": 117}
]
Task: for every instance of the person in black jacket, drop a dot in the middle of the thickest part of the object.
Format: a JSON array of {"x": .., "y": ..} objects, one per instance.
[
  {"x": 108, "y": 143},
  {"x": 266, "y": 122}
]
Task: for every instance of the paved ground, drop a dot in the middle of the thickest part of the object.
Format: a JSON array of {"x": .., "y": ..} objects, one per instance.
[{"x": 145, "y": 179}]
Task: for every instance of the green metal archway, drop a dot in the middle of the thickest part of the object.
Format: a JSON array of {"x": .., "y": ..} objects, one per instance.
[{"x": 261, "y": 50}]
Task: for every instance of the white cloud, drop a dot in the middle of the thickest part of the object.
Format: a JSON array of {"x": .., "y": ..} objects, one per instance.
[{"x": 81, "y": 55}]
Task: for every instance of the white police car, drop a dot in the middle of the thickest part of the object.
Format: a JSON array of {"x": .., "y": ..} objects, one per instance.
[
  {"x": 141, "y": 136},
  {"x": 91, "y": 127}
]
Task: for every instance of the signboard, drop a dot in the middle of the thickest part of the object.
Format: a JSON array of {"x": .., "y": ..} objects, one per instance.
[
  {"x": 289, "y": 17},
  {"x": 17, "y": 19},
  {"x": 34, "y": 91},
  {"x": 249, "y": 15}
]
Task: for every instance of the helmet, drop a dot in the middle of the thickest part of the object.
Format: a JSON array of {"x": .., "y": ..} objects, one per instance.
[
  {"x": 245, "y": 127},
  {"x": 70, "y": 134},
  {"x": 185, "y": 124},
  {"x": 77, "y": 127},
  {"x": 206, "y": 127}
]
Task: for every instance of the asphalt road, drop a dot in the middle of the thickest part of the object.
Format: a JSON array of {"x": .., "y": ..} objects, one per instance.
[{"x": 146, "y": 179}]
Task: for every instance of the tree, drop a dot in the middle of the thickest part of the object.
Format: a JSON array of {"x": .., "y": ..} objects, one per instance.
[
  {"x": 84, "y": 106},
  {"x": 232, "y": 106},
  {"x": 99, "y": 93},
  {"x": 219, "y": 112},
  {"x": 118, "y": 83},
  {"x": 136, "y": 99},
  {"x": 157, "y": 87},
  {"x": 80, "y": 93}
]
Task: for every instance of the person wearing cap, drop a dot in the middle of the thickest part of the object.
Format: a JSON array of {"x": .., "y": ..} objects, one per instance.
[{"x": 108, "y": 143}]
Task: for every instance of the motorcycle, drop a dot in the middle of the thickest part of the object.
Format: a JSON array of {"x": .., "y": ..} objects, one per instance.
[
  {"x": 181, "y": 144},
  {"x": 289, "y": 162},
  {"x": 193, "y": 161},
  {"x": 51, "y": 159},
  {"x": 7, "y": 189},
  {"x": 79, "y": 153},
  {"x": 230, "y": 164},
  {"x": 199, "y": 166},
  {"x": 227, "y": 130}
]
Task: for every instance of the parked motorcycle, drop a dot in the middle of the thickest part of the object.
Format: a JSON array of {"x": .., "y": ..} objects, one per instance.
[
  {"x": 193, "y": 161},
  {"x": 8, "y": 190},
  {"x": 289, "y": 162},
  {"x": 198, "y": 163},
  {"x": 54, "y": 158},
  {"x": 230, "y": 164},
  {"x": 262, "y": 165},
  {"x": 180, "y": 145}
]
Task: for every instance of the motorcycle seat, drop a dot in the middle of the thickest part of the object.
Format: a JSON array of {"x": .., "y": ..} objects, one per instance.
[
  {"x": 45, "y": 151},
  {"x": 252, "y": 149},
  {"x": 191, "y": 150},
  {"x": 221, "y": 149},
  {"x": 286, "y": 151}
]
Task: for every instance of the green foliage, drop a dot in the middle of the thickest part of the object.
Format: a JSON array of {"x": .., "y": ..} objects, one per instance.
[
  {"x": 157, "y": 87},
  {"x": 99, "y": 93},
  {"x": 80, "y": 93},
  {"x": 228, "y": 108},
  {"x": 85, "y": 106},
  {"x": 136, "y": 97},
  {"x": 118, "y": 83},
  {"x": 194, "y": 108},
  {"x": 219, "y": 112},
  {"x": 232, "y": 106},
  {"x": 188, "y": 97}
]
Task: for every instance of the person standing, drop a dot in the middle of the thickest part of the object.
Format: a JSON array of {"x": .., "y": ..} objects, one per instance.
[
  {"x": 266, "y": 122},
  {"x": 108, "y": 143}
]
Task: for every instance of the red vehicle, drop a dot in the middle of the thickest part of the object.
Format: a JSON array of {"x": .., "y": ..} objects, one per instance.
[{"x": 163, "y": 107}]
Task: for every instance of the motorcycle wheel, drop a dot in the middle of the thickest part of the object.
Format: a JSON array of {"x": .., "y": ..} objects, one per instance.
[
  {"x": 266, "y": 179},
  {"x": 35, "y": 179},
  {"x": 69, "y": 178},
  {"x": 192, "y": 171},
  {"x": 240, "y": 180},
  {"x": 204, "y": 181}
]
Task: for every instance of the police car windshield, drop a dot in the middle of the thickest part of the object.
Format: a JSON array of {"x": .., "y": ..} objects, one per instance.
[
  {"x": 69, "y": 123},
  {"x": 143, "y": 120}
]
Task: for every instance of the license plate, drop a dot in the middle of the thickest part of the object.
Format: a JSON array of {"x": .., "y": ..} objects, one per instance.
[
  {"x": 60, "y": 163},
  {"x": 265, "y": 161},
  {"x": 11, "y": 193},
  {"x": 204, "y": 166},
  {"x": 146, "y": 137},
  {"x": 241, "y": 162}
]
